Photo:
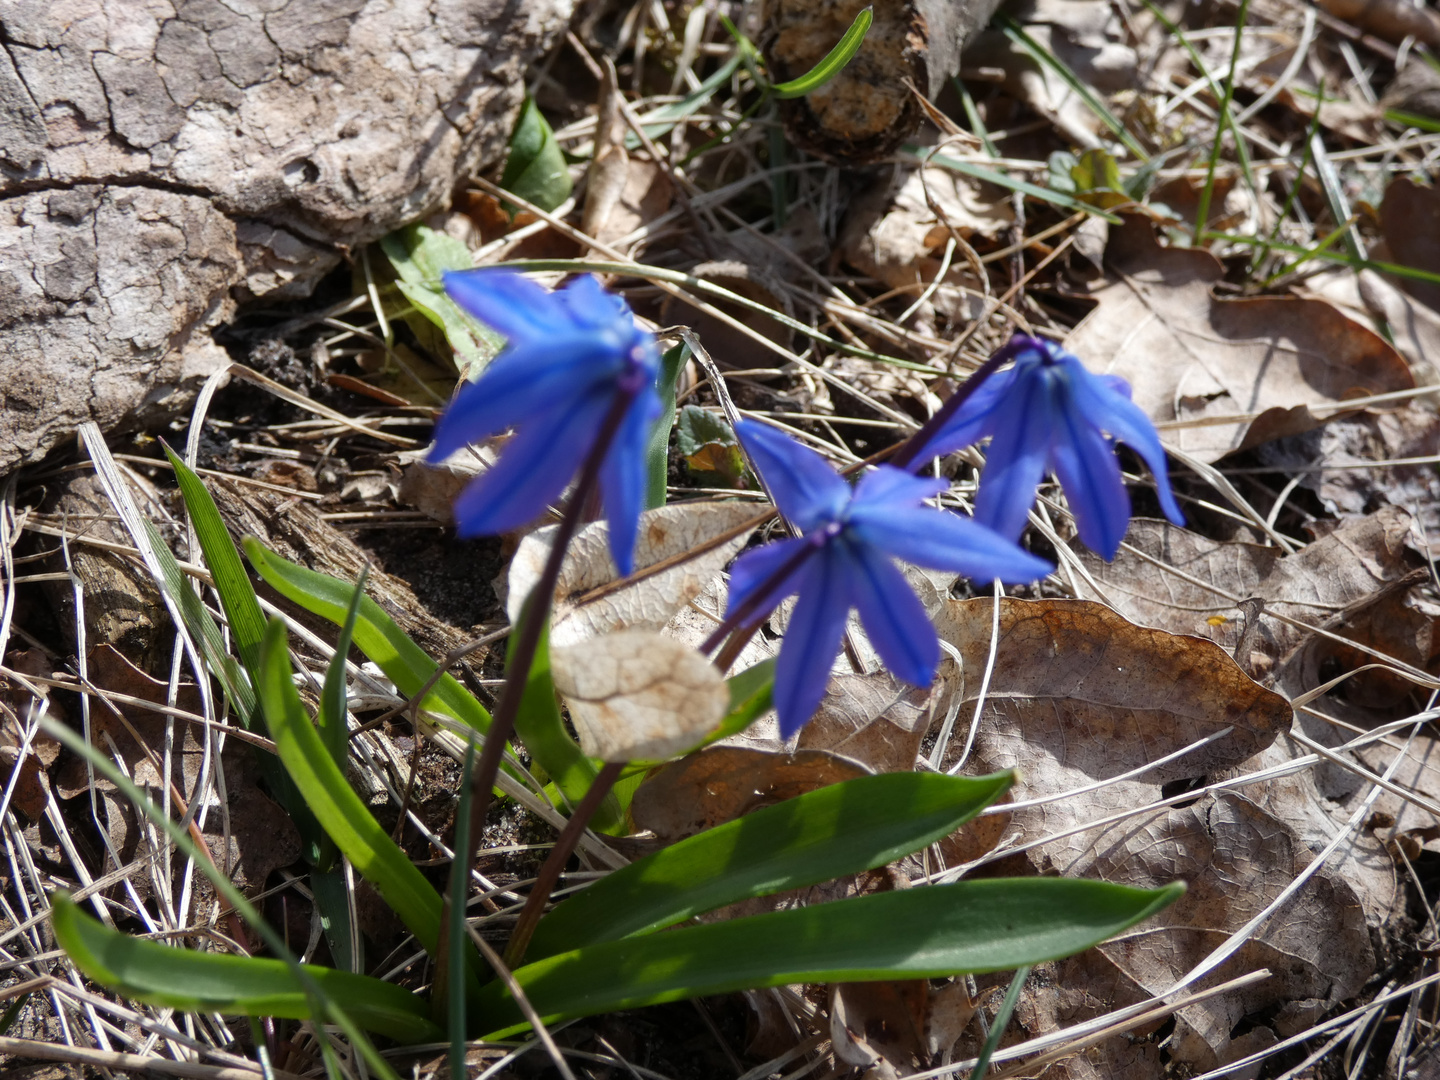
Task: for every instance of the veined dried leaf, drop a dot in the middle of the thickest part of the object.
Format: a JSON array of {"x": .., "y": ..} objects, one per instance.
[
  {"x": 635, "y": 695},
  {"x": 648, "y": 604},
  {"x": 1275, "y": 356}
]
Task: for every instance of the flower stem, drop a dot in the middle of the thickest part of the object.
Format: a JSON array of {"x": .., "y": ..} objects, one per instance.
[
  {"x": 756, "y": 600},
  {"x": 555, "y": 863},
  {"x": 905, "y": 453},
  {"x": 536, "y": 611}
]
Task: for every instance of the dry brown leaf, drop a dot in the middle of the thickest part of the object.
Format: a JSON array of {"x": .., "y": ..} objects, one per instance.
[
  {"x": 723, "y": 783},
  {"x": 1210, "y": 363},
  {"x": 1414, "y": 326},
  {"x": 637, "y": 696},
  {"x": 648, "y": 604},
  {"x": 1114, "y": 695},
  {"x": 1410, "y": 220},
  {"x": 875, "y": 719}
]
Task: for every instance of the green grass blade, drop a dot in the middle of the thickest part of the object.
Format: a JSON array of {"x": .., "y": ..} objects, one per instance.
[
  {"x": 390, "y": 648},
  {"x": 925, "y": 932},
  {"x": 1016, "y": 33},
  {"x": 660, "y": 122},
  {"x": 333, "y": 905},
  {"x": 833, "y": 62},
  {"x": 657, "y": 454},
  {"x": 1000, "y": 179},
  {"x": 452, "y": 1001},
  {"x": 237, "y": 595},
  {"x": 331, "y": 721},
  {"x": 342, "y": 814},
  {"x": 235, "y": 985},
  {"x": 841, "y": 829}
]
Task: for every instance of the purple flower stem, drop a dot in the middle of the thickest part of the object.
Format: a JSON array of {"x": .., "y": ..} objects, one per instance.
[
  {"x": 742, "y": 615},
  {"x": 537, "y": 609},
  {"x": 902, "y": 456},
  {"x": 555, "y": 864}
]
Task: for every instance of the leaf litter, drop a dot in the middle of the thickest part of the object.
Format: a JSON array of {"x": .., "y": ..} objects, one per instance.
[{"x": 1209, "y": 706}]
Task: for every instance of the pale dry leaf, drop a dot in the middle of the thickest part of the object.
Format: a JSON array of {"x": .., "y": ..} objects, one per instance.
[
  {"x": 722, "y": 783},
  {"x": 1202, "y": 365},
  {"x": 648, "y": 604},
  {"x": 637, "y": 696},
  {"x": 875, "y": 719},
  {"x": 433, "y": 489},
  {"x": 879, "y": 1026}
]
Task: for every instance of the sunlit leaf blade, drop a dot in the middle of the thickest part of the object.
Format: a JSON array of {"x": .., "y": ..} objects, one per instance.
[
  {"x": 333, "y": 905},
  {"x": 924, "y": 932},
  {"x": 535, "y": 169},
  {"x": 420, "y": 255},
  {"x": 540, "y": 727},
  {"x": 385, "y": 644},
  {"x": 657, "y": 455},
  {"x": 836, "y": 830},
  {"x": 238, "y": 985},
  {"x": 237, "y": 595},
  {"x": 836, "y": 59},
  {"x": 342, "y": 814}
]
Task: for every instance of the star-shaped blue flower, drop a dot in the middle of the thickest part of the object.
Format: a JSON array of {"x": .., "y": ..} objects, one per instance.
[
  {"x": 846, "y": 559},
  {"x": 572, "y": 358},
  {"x": 1048, "y": 413}
]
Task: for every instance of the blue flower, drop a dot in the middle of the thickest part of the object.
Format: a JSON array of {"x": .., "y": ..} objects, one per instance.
[
  {"x": 1048, "y": 413},
  {"x": 846, "y": 559},
  {"x": 573, "y": 357}
]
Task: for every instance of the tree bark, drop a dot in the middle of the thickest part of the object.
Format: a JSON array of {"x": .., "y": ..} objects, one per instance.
[{"x": 163, "y": 160}]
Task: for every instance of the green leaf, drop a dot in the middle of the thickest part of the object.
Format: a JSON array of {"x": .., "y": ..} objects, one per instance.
[
  {"x": 924, "y": 932},
  {"x": 385, "y": 644},
  {"x": 237, "y": 595},
  {"x": 751, "y": 694},
  {"x": 535, "y": 169},
  {"x": 540, "y": 727},
  {"x": 211, "y": 982},
  {"x": 711, "y": 450},
  {"x": 834, "y": 60},
  {"x": 333, "y": 904},
  {"x": 420, "y": 255},
  {"x": 995, "y": 176},
  {"x": 657, "y": 454},
  {"x": 840, "y": 829},
  {"x": 342, "y": 814}
]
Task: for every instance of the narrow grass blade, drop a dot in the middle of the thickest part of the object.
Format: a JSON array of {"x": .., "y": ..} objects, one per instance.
[
  {"x": 926, "y": 932},
  {"x": 657, "y": 455},
  {"x": 342, "y": 814},
  {"x": 235, "y": 985},
  {"x": 237, "y": 595},
  {"x": 1000, "y": 179},
  {"x": 832, "y": 63},
  {"x": 659, "y": 123},
  {"x": 331, "y": 721},
  {"x": 452, "y": 1001},
  {"x": 390, "y": 648},
  {"x": 840, "y": 829},
  {"x": 541, "y": 728},
  {"x": 1000, "y": 1023},
  {"x": 333, "y": 905},
  {"x": 1016, "y": 33}
]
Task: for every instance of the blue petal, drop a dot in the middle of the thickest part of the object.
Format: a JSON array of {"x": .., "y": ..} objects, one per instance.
[
  {"x": 973, "y": 421},
  {"x": 533, "y": 469},
  {"x": 807, "y": 490},
  {"x": 894, "y": 618},
  {"x": 525, "y": 381},
  {"x": 940, "y": 540},
  {"x": 622, "y": 477},
  {"x": 1087, "y": 469},
  {"x": 886, "y": 486},
  {"x": 758, "y": 567},
  {"x": 594, "y": 308},
  {"x": 1015, "y": 462},
  {"x": 510, "y": 303},
  {"x": 1111, "y": 411},
  {"x": 811, "y": 640}
]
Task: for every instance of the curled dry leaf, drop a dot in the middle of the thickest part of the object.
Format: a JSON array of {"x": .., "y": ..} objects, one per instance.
[
  {"x": 1225, "y": 361},
  {"x": 637, "y": 696},
  {"x": 723, "y": 783},
  {"x": 668, "y": 532}
]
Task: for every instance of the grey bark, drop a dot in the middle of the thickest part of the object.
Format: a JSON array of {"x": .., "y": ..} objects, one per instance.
[
  {"x": 163, "y": 160},
  {"x": 867, "y": 111}
]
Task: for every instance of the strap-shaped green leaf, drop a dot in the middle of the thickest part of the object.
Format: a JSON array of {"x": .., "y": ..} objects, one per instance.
[
  {"x": 390, "y": 648},
  {"x": 925, "y": 932},
  {"x": 213, "y": 982},
  {"x": 836, "y": 59},
  {"x": 835, "y": 830},
  {"x": 341, "y": 813}
]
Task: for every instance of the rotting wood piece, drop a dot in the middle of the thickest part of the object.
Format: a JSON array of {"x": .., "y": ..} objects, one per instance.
[{"x": 868, "y": 110}]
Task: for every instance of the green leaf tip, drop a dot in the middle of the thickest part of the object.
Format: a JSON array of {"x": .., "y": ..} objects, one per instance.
[{"x": 834, "y": 61}]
